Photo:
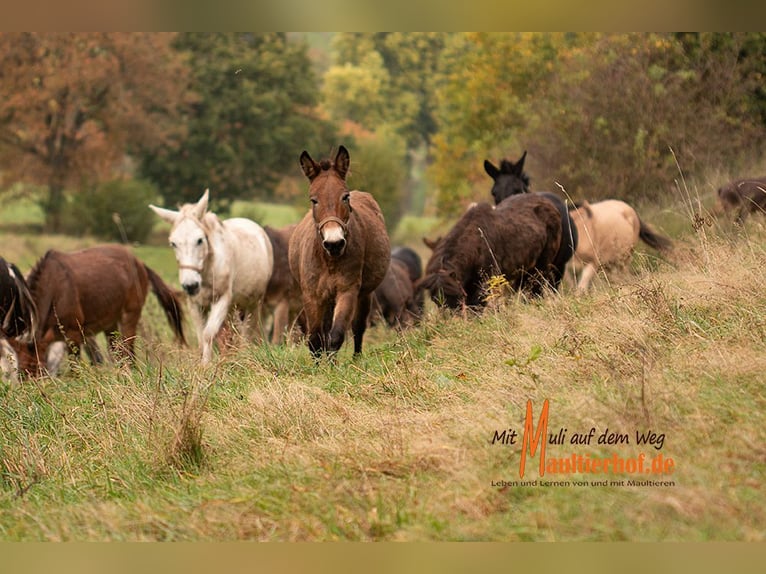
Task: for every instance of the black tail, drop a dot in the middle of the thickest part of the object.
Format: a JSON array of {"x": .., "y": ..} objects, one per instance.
[
  {"x": 170, "y": 302},
  {"x": 653, "y": 239},
  {"x": 19, "y": 311}
]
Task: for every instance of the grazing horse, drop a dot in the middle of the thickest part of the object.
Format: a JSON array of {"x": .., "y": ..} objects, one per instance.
[
  {"x": 749, "y": 195},
  {"x": 412, "y": 260},
  {"x": 101, "y": 289},
  {"x": 394, "y": 299},
  {"x": 224, "y": 267},
  {"x": 283, "y": 294},
  {"x": 18, "y": 316},
  {"x": 339, "y": 253},
  {"x": 609, "y": 231},
  {"x": 510, "y": 179},
  {"x": 519, "y": 243}
]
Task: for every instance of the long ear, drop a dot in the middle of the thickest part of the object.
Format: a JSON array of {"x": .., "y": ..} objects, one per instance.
[
  {"x": 201, "y": 206},
  {"x": 491, "y": 170},
  {"x": 309, "y": 166},
  {"x": 342, "y": 162},
  {"x": 168, "y": 215},
  {"x": 519, "y": 165}
]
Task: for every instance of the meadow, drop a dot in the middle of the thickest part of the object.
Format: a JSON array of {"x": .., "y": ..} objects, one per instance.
[{"x": 397, "y": 445}]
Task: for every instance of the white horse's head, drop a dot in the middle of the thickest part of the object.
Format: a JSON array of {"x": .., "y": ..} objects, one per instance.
[{"x": 189, "y": 239}]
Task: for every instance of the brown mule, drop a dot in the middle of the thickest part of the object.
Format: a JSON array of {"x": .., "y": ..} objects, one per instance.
[{"x": 339, "y": 253}]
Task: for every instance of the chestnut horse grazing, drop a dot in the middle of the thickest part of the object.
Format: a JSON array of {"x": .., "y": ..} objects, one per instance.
[
  {"x": 394, "y": 299},
  {"x": 96, "y": 290},
  {"x": 749, "y": 195},
  {"x": 224, "y": 267},
  {"x": 339, "y": 253},
  {"x": 519, "y": 243},
  {"x": 609, "y": 231}
]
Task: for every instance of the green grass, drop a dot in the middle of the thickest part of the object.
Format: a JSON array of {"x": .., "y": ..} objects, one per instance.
[{"x": 267, "y": 444}]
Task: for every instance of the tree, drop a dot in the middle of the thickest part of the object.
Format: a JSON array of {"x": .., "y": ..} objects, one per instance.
[
  {"x": 404, "y": 65},
  {"x": 491, "y": 89},
  {"x": 73, "y": 104},
  {"x": 254, "y": 112}
]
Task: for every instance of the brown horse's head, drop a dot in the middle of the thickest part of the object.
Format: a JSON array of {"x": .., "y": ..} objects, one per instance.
[{"x": 330, "y": 199}]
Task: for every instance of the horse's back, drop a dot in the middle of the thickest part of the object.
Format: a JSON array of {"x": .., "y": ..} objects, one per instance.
[
  {"x": 377, "y": 247},
  {"x": 609, "y": 234},
  {"x": 252, "y": 257}
]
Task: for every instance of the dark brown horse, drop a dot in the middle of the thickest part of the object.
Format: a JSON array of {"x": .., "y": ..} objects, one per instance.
[
  {"x": 97, "y": 290},
  {"x": 519, "y": 243},
  {"x": 339, "y": 253},
  {"x": 747, "y": 195},
  {"x": 394, "y": 299},
  {"x": 509, "y": 180},
  {"x": 283, "y": 293}
]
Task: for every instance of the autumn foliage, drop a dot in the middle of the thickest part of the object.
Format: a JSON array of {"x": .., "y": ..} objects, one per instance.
[{"x": 72, "y": 104}]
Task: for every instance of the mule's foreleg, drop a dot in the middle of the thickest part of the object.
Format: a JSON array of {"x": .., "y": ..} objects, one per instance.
[
  {"x": 364, "y": 303},
  {"x": 345, "y": 308},
  {"x": 217, "y": 314},
  {"x": 587, "y": 275},
  {"x": 281, "y": 320}
]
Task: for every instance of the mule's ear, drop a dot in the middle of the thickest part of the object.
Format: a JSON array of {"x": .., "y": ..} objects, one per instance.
[
  {"x": 342, "y": 162},
  {"x": 309, "y": 166},
  {"x": 166, "y": 214},
  {"x": 519, "y": 165},
  {"x": 201, "y": 206},
  {"x": 491, "y": 170}
]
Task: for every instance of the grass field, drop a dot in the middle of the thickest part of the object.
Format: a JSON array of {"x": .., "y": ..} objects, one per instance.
[{"x": 265, "y": 444}]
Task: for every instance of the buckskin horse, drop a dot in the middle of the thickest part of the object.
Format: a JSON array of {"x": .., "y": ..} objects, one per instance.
[
  {"x": 224, "y": 267},
  {"x": 339, "y": 253},
  {"x": 101, "y": 289},
  {"x": 609, "y": 231}
]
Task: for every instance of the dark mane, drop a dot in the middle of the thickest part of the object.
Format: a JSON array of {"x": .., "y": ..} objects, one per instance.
[
  {"x": 510, "y": 168},
  {"x": 584, "y": 205}
]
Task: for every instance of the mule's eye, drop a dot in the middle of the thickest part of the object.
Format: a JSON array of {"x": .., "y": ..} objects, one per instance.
[
  {"x": 173, "y": 244},
  {"x": 199, "y": 241},
  {"x": 346, "y": 198},
  {"x": 314, "y": 201}
]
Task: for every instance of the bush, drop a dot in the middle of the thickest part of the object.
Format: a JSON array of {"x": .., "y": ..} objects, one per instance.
[{"x": 114, "y": 211}]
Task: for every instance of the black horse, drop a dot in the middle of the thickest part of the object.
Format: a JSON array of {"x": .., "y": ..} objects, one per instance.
[{"x": 510, "y": 180}]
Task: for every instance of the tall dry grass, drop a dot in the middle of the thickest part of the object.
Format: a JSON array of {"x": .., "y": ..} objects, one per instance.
[{"x": 267, "y": 444}]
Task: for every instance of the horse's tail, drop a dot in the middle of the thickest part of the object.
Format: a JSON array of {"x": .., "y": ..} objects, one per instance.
[
  {"x": 21, "y": 321},
  {"x": 652, "y": 238},
  {"x": 170, "y": 302}
]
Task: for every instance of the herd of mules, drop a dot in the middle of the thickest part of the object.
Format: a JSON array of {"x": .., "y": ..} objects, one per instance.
[{"x": 331, "y": 273}]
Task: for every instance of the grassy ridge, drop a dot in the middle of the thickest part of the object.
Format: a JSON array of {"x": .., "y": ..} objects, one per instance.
[{"x": 396, "y": 445}]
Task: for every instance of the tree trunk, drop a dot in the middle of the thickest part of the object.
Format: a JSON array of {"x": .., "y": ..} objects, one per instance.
[{"x": 53, "y": 207}]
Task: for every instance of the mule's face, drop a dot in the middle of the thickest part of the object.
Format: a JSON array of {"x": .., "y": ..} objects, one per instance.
[
  {"x": 507, "y": 185},
  {"x": 509, "y": 178},
  {"x": 330, "y": 200},
  {"x": 190, "y": 244},
  {"x": 331, "y": 210}
]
